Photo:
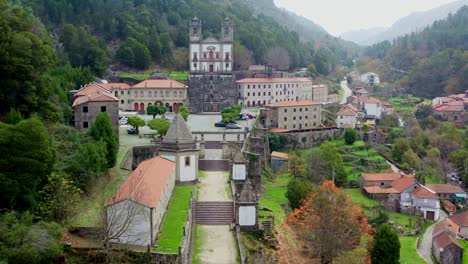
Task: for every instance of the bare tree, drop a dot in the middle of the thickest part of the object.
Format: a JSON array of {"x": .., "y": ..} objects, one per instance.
[
  {"x": 243, "y": 57},
  {"x": 278, "y": 57}
]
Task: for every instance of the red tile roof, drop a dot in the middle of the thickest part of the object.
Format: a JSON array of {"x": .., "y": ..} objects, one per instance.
[
  {"x": 423, "y": 193},
  {"x": 319, "y": 86},
  {"x": 159, "y": 83},
  {"x": 98, "y": 96},
  {"x": 115, "y": 85},
  {"x": 280, "y": 155},
  {"x": 445, "y": 188},
  {"x": 293, "y": 103},
  {"x": 147, "y": 182},
  {"x": 279, "y": 130},
  {"x": 379, "y": 190},
  {"x": 90, "y": 89},
  {"x": 460, "y": 219},
  {"x": 362, "y": 90},
  {"x": 403, "y": 183},
  {"x": 273, "y": 80},
  {"x": 368, "y": 100},
  {"x": 380, "y": 176},
  {"x": 444, "y": 240},
  {"x": 346, "y": 112}
]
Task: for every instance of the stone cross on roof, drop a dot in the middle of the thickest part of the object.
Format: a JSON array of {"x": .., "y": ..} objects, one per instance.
[{"x": 179, "y": 136}]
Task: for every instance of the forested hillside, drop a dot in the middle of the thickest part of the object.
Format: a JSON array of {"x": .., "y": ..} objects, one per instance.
[
  {"x": 430, "y": 63},
  {"x": 141, "y": 33}
]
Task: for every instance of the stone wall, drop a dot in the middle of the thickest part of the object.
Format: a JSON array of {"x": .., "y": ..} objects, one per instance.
[
  {"x": 309, "y": 139},
  {"x": 186, "y": 248},
  {"x": 94, "y": 108},
  {"x": 141, "y": 153},
  {"x": 211, "y": 93}
]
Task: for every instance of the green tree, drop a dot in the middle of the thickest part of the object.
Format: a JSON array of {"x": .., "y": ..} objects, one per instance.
[
  {"x": 134, "y": 54},
  {"x": 159, "y": 124},
  {"x": 400, "y": 146},
  {"x": 326, "y": 163},
  {"x": 350, "y": 136},
  {"x": 59, "y": 198},
  {"x": 230, "y": 114},
  {"x": 183, "y": 110},
  {"x": 423, "y": 111},
  {"x": 102, "y": 130},
  {"x": 411, "y": 159},
  {"x": 296, "y": 165},
  {"x": 386, "y": 248},
  {"x": 136, "y": 121},
  {"x": 155, "y": 110},
  {"x": 23, "y": 240},
  {"x": 297, "y": 190},
  {"x": 28, "y": 158}
]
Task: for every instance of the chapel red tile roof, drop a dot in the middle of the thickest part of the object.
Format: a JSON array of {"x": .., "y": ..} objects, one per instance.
[
  {"x": 445, "y": 188},
  {"x": 423, "y": 193},
  {"x": 98, "y": 96},
  {"x": 293, "y": 103},
  {"x": 90, "y": 89},
  {"x": 280, "y": 155},
  {"x": 147, "y": 183},
  {"x": 273, "y": 80},
  {"x": 380, "y": 176},
  {"x": 460, "y": 219},
  {"x": 159, "y": 83}
]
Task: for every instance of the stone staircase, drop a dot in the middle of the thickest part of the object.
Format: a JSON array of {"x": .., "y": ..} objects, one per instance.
[
  {"x": 267, "y": 229},
  {"x": 214, "y": 213}
]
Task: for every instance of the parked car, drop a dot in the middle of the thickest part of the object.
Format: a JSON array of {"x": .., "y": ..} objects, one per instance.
[
  {"x": 242, "y": 117},
  {"x": 233, "y": 126},
  {"x": 249, "y": 115},
  {"x": 220, "y": 124},
  {"x": 132, "y": 131}
]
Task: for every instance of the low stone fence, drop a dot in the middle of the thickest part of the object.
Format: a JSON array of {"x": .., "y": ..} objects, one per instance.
[
  {"x": 186, "y": 247},
  {"x": 311, "y": 138}
]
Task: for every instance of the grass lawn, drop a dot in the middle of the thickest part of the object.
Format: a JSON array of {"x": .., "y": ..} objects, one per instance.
[
  {"x": 273, "y": 196},
  {"x": 408, "y": 252},
  {"x": 359, "y": 198},
  {"x": 464, "y": 244},
  {"x": 135, "y": 76},
  {"x": 174, "y": 221},
  {"x": 197, "y": 244}
]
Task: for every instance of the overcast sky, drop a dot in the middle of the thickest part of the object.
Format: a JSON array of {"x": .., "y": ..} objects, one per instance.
[{"x": 338, "y": 16}]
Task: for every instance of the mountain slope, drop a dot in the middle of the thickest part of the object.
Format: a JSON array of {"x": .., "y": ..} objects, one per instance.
[
  {"x": 361, "y": 36},
  {"x": 415, "y": 22}
]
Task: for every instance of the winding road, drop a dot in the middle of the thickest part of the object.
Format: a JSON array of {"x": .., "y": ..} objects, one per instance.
[{"x": 347, "y": 91}]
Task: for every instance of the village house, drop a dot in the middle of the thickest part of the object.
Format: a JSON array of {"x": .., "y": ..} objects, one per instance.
[
  {"x": 135, "y": 211},
  {"x": 320, "y": 93},
  {"x": 445, "y": 247},
  {"x": 279, "y": 161},
  {"x": 373, "y": 108},
  {"x": 347, "y": 117},
  {"x": 292, "y": 115},
  {"x": 452, "y": 108},
  {"x": 166, "y": 92},
  {"x": 370, "y": 78},
  {"x": 360, "y": 91},
  {"x": 91, "y": 100},
  {"x": 447, "y": 191},
  {"x": 426, "y": 203},
  {"x": 458, "y": 224}
]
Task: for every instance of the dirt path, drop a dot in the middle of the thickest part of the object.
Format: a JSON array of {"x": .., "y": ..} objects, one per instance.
[
  {"x": 214, "y": 187},
  {"x": 217, "y": 245}
]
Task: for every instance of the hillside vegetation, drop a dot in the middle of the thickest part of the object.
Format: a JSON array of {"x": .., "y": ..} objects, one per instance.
[{"x": 431, "y": 63}]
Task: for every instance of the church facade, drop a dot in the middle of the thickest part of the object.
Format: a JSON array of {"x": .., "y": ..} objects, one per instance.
[{"x": 211, "y": 80}]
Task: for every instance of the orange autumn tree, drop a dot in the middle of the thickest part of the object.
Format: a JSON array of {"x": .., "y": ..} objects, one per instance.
[{"x": 329, "y": 223}]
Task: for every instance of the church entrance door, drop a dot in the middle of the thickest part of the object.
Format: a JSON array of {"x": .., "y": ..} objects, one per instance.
[{"x": 211, "y": 68}]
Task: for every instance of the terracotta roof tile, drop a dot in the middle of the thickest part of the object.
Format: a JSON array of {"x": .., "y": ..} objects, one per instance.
[
  {"x": 444, "y": 240},
  {"x": 293, "y": 103},
  {"x": 445, "y": 188},
  {"x": 147, "y": 182},
  {"x": 439, "y": 227},
  {"x": 159, "y": 83},
  {"x": 98, "y": 96},
  {"x": 460, "y": 219},
  {"x": 423, "y": 193},
  {"x": 279, "y": 130},
  {"x": 346, "y": 112},
  {"x": 362, "y": 90},
  {"x": 403, "y": 183},
  {"x": 273, "y": 80},
  {"x": 379, "y": 190},
  {"x": 380, "y": 176},
  {"x": 280, "y": 155},
  {"x": 90, "y": 89},
  {"x": 115, "y": 85}
]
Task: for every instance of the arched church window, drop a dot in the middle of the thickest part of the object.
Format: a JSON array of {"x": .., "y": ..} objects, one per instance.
[
  {"x": 227, "y": 56},
  {"x": 187, "y": 161},
  {"x": 226, "y": 30},
  {"x": 195, "y": 30},
  {"x": 211, "y": 54},
  {"x": 195, "y": 56}
]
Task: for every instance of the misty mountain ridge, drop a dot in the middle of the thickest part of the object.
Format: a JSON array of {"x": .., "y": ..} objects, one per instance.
[{"x": 414, "y": 22}]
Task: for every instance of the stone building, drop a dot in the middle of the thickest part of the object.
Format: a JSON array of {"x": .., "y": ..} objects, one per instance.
[
  {"x": 166, "y": 92},
  {"x": 211, "y": 80},
  {"x": 347, "y": 117},
  {"x": 320, "y": 93},
  {"x": 445, "y": 247},
  {"x": 136, "y": 210},
  {"x": 89, "y": 101},
  {"x": 179, "y": 146},
  {"x": 292, "y": 115}
]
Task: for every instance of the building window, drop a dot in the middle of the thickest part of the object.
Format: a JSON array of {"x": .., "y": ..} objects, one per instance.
[
  {"x": 150, "y": 94},
  {"x": 264, "y": 93},
  {"x": 300, "y": 109},
  {"x": 122, "y": 101},
  {"x": 103, "y": 108},
  {"x": 248, "y": 86},
  {"x": 128, "y": 101},
  {"x": 294, "y": 126},
  {"x": 161, "y": 94},
  {"x": 142, "y": 94},
  {"x": 253, "y": 94},
  {"x": 294, "y": 118},
  {"x": 294, "y": 110},
  {"x": 285, "y": 110},
  {"x": 167, "y": 93},
  {"x": 248, "y": 94},
  {"x": 285, "y": 119},
  {"x": 181, "y": 94},
  {"x": 269, "y": 93},
  {"x": 85, "y": 109},
  {"x": 227, "y": 65},
  {"x": 135, "y": 93},
  {"x": 195, "y": 65},
  {"x": 121, "y": 92},
  {"x": 128, "y": 92},
  {"x": 187, "y": 161},
  {"x": 253, "y": 86},
  {"x": 174, "y": 94},
  {"x": 306, "y": 117},
  {"x": 85, "y": 124},
  {"x": 306, "y": 109},
  {"x": 116, "y": 93},
  {"x": 300, "y": 118}
]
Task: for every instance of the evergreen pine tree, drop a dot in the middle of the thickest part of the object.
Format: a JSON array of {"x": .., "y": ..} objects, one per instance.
[
  {"x": 102, "y": 130},
  {"x": 386, "y": 248}
]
